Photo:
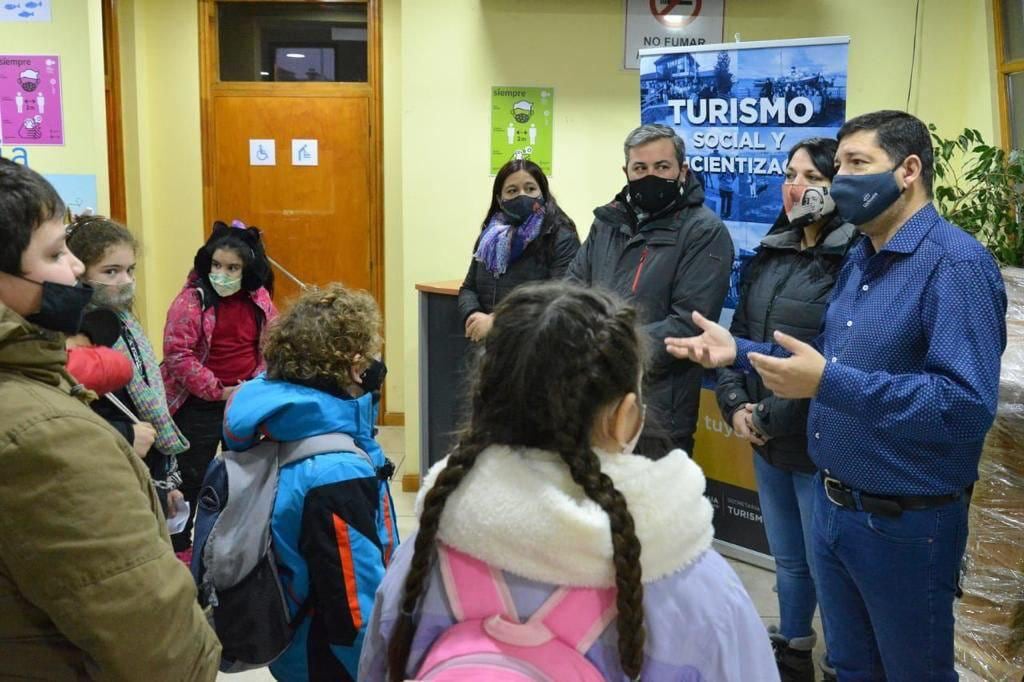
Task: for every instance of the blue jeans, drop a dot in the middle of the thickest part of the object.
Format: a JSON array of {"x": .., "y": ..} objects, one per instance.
[
  {"x": 886, "y": 586},
  {"x": 787, "y": 506}
]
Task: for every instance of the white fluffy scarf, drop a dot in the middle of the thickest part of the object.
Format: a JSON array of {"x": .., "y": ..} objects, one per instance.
[{"x": 519, "y": 510}]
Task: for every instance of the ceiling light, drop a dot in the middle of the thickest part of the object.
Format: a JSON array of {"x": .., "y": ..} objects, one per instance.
[{"x": 295, "y": 55}]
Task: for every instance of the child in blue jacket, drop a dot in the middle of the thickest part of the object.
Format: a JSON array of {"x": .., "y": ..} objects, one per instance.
[{"x": 333, "y": 525}]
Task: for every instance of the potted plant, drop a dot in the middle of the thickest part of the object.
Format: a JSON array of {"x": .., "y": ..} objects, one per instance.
[{"x": 981, "y": 188}]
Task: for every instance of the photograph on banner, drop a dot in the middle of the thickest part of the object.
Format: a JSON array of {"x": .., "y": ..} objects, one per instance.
[
  {"x": 522, "y": 124},
  {"x": 740, "y": 108}
]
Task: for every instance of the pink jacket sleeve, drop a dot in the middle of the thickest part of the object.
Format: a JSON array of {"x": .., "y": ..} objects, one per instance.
[{"x": 183, "y": 338}]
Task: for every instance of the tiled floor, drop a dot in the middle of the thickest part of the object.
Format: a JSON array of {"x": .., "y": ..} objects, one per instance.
[{"x": 759, "y": 582}]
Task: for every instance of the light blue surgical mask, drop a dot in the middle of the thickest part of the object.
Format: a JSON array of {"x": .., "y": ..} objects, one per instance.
[{"x": 225, "y": 285}]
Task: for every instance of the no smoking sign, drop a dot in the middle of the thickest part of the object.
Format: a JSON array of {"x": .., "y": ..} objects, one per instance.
[
  {"x": 675, "y": 13},
  {"x": 670, "y": 23}
]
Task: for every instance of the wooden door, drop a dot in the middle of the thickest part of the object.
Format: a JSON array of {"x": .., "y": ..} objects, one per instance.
[
  {"x": 112, "y": 93},
  {"x": 321, "y": 222},
  {"x": 316, "y": 219}
]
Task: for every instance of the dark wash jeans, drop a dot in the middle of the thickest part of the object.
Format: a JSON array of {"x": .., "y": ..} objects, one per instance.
[
  {"x": 201, "y": 421},
  {"x": 886, "y": 586}
]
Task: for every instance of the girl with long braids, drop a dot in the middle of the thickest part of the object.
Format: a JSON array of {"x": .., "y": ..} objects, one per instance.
[{"x": 543, "y": 492}]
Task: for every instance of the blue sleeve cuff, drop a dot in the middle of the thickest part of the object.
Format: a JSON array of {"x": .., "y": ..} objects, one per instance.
[
  {"x": 743, "y": 348},
  {"x": 840, "y": 388}
]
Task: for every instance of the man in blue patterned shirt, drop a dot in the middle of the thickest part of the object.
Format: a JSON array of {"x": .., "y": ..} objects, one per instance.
[{"x": 904, "y": 380}]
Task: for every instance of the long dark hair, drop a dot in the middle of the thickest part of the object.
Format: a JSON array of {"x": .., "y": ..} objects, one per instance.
[
  {"x": 822, "y": 151},
  {"x": 555, "y": 218},
  {"x": 247, "y": 243},
  {"x": 557, "y": 356}
]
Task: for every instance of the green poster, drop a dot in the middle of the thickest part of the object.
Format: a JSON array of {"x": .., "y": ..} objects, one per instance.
[{"x": 522, "y": 121}]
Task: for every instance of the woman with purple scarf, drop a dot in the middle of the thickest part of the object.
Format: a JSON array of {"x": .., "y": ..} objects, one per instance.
[{"x": 525, "y": 237}]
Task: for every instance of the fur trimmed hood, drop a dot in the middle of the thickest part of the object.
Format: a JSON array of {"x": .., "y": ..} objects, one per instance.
[{"x": 520, "y": 511}]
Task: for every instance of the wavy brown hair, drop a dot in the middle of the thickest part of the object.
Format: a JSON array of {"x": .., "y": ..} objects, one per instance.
[
  {"x": 89, "y": 237},
  {"x": 557, "y": 357},
  {"x": 316, "y": 341}
]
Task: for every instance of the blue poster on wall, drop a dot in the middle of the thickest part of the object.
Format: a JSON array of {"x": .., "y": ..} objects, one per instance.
[
  {"x": 740, "y": 107},
  {"x": 77, "y": 191}
]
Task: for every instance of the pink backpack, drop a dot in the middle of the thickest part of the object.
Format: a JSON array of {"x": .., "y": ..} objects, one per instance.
[{"x": 490, "y": 643}]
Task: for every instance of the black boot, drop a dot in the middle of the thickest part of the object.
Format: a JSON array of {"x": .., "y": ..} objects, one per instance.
[{"x": 794, "y": 656}]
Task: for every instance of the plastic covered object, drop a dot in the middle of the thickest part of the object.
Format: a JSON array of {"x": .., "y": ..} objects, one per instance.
[{"x": 990, "y": 615}]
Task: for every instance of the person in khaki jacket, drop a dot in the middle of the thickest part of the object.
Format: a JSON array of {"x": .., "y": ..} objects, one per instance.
[{"x": 89, "y": 586}]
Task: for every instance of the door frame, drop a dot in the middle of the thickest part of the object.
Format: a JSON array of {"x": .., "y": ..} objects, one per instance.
[
  {"x": 112, "y": 92},
  {"x": 210, "y": 85}
]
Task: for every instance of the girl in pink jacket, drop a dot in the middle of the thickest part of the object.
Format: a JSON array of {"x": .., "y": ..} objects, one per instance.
[{"x": 212, "y": 344}]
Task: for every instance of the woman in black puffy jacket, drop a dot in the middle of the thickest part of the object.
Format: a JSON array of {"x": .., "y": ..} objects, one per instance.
[
  {"x": 525, "y": 237},
  {"x": 785, "y": 287}
]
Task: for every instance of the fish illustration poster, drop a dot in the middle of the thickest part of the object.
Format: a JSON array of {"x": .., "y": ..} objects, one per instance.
[{"x": 25, "y": 10}]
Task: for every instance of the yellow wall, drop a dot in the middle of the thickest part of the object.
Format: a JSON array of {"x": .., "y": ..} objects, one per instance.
[
  {"x": 394, "y": 247},
  {"x": 453, "y": 52},
  {"x": 163, "y": 154},
  {"x": 76, "y": 36}
]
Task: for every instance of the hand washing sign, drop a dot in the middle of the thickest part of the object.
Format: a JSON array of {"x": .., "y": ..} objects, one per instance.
[
  {"x": 522, "y": 120},
  {"x": 30, "y": 102}
]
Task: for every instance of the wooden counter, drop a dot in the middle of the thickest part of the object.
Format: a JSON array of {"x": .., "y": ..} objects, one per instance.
[{"x": 447, "y": 288}]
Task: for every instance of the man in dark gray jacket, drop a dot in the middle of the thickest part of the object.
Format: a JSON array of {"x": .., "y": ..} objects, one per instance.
[{"x": 658, "y": 246}]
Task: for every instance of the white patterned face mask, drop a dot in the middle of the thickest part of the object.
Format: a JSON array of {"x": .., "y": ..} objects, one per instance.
[{"x": 806, "y": 204}]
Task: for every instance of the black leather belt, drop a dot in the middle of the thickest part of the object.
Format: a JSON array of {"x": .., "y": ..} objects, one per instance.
[{"x": 884, "y": 505}]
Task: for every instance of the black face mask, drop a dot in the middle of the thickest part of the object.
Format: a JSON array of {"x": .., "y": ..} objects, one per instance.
[
  {"x": 62, "y": 308},
  {"x": 520, "y": 208},
  {"x": 652, "y": 194},
  {"x": 372, "y": 378}
]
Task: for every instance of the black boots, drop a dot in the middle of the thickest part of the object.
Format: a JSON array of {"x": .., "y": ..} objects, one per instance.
[{"x": 793, "y": 656}]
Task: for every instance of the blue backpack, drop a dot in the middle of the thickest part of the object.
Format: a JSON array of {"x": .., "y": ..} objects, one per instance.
[{"x": 233, "y": 560}]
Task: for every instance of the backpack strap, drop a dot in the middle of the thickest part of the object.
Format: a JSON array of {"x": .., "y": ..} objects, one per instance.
[
  {"x": 475, "y": 590},
  {"x": 241, "y": 534},
  {"x": 293, "y": 451},
  {"x": 577, "y": 615}
]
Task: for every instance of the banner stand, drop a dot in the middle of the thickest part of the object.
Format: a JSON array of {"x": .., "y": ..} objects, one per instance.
[
  {"x": 740, "y": 107},
  {"x": 747, "y": 556}
]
